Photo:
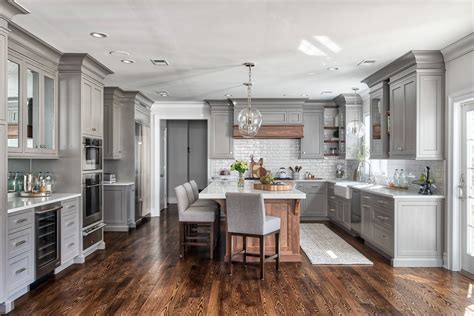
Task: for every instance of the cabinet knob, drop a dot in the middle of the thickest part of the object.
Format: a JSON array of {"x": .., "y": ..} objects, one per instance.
[
  {"x": 304, "y": 152},
  {"x": 94, "y": 129},
  {"x": 399, "y": 148}
]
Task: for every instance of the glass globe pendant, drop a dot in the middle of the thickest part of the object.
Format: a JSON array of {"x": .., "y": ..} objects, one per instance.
[
  {"x": 249, "y": 119},
  {"x": 356, "y": 128}
]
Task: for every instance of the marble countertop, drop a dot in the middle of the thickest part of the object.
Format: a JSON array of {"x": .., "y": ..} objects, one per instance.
[
  {"x": 120, "y": 183},
  {"x": 217, "y": 190},
  {"x": 396, "y": 193},
  {"x": 18, "y": 203}
]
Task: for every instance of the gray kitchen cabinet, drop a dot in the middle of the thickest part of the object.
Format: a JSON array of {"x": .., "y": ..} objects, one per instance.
[
  {"x": 332, "y": 203},
  {"x": 274, "y": 111},
  {"x": 315, "y": 205},
  {"x": 379, "y": 109},
  {"x": 70, "y": 232},
  {"x": 416, "y": 98},
  {"x": 221, "y": 135},
  {"x": 300, "y": 186},
  {"x": 350, "y": 110},
  {"x": 112, "y": 125},
  {"x": 119, "y": 206},
  {"x": 92, "y": 108},
  {"x": 32, "y": 98},
  {"x": 366, "y": 214},
  {"x": 312, "y": 145}
]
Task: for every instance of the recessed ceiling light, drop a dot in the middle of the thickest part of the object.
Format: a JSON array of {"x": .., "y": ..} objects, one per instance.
[
  {"x": 163, "y": 93},
  {"x": 228, "y": 95},
  {"x": 326, "y": 92},
  {"x": 119, "y": 53},
  {"x": 98, "y": 34},
  {"x": 366, "y": 62},
  {"x": 159, "y": 62},
  {"x": 333, "y": 68},
  {"x": 127, "y": 61}
]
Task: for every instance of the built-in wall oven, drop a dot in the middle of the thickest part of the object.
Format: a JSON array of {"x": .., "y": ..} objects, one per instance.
[
  {"x": 92, "y": 198},
  {"x": 91, "y": 154},
  {"x": 48, "y": 239}
]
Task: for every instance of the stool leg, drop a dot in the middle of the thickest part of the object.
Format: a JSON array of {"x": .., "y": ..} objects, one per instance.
[
  {"x": 262, "y": 257},
  {"x": 229, "y": 247},
  {"x": 277, "y": 248},
  {"x": 211, "y": 240},
  {"x": 245, "y": 250},
  {"x": 181, "y": 239}
]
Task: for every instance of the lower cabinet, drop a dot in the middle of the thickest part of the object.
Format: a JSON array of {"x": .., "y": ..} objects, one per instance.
[
  {"x": 70, "y": 231},
  {"x": 119, "y": 206},
  {"x": 343, "y": 212},
  {"x": 20, "y": 270},
  {"x": 314, "y": 207}
]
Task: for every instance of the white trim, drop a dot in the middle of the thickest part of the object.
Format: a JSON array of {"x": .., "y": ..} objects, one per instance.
[
  {"x": 411, "y": 262},
  {"x": 179, "y": 110},
  {"x": 453, "y": 213},
  {"x": 459, "y": 48}
]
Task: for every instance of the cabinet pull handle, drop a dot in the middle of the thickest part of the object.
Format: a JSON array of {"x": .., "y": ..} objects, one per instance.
[
  {"x": 332, "y": 210},
  {"x": 70, "y": 224},
  {"x": 70, "y": 245},
  {"x": 384, "y": 237},
  {"x": 71, "y": 206},
  {"x": 384, "y": 218},
  {"x": 366, "y": 197},
  {"x": 20, "y": 270},
  {"x": 20, "y": 243},
  {"x": 332, "y": 197},
  {"x": 94, "y": 129},
  {"x": 21, "y": 220},
  {"x": 400, "y": 148},
  {"x": 382, "y": 202}
]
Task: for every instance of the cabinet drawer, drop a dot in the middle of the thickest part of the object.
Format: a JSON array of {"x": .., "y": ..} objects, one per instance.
[
  {"x": 69, "y": 247},
  {"x": 70, "y": 224},
  {"x": 20, "y": 271},
  {"x": 383, "y": 202},
  {"x": 20, "y": 219},
  {"x": 69, "y": 207},
  {"x": 332, "y": 210},
  {"x": 383, "y": 218},
  {"x": 315, "y": 187},
  {"x": 382, "y": 238},
  {"x": 91, "y": 239},
  {"x": 20, "y": 242}
]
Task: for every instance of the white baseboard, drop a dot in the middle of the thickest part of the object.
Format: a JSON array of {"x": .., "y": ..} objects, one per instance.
[
  {"x": 98, "y": 246},
  {"x": 417, "y": 263},
  {"x": 9, "y": 304},
  {"x": 445, "y": 260},
  {"x": 64, "y": 266}
]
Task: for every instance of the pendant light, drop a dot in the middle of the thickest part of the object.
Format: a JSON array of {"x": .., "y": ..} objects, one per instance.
[
  {"x": 356, "y": 128},
  {"x": 249, "y": 119}
]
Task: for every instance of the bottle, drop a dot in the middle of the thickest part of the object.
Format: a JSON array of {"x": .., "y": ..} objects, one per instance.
[
  {"x": 49, "y": 183},
  {"x": 11, "y": 182},
  {"x": 41, "y": 183},
  {"x": 396, "y": 178},
  {"x": 403, "y": 179},
  {"x": 19, "y": 182}
]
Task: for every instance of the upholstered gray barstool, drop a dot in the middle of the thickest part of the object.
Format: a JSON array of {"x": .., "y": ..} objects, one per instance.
[
  {"x": 198, "y": 225},
  {"x": 246, "y": 217},
  {"x": 197, "y": 201}
]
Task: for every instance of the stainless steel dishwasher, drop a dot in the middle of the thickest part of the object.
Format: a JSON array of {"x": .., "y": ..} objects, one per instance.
[{"x": 356, "y": 217}]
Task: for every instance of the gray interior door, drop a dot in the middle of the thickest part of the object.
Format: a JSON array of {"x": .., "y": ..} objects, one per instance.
[
  {"x": 197, "y": 162},
  {"x": 177, "y": 156}
]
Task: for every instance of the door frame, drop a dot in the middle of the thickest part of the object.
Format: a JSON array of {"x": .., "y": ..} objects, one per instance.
[{"x": 453, "y": 256}]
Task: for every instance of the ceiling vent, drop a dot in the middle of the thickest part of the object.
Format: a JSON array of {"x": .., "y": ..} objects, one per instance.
[
  {"x": 366, "y": 62},
  {"x": 159, "y": 62}
]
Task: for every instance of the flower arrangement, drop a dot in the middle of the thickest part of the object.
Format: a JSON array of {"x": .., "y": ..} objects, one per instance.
[{"x": 241, "y": 166}]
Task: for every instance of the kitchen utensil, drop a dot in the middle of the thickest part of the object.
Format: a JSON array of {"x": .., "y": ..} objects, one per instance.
[
  {"x": 339, "y": 172},
  {"x": 282, "y": 173}
]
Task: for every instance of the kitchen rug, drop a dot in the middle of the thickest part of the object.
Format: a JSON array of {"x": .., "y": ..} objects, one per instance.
[{"x": 322, "y": 246}]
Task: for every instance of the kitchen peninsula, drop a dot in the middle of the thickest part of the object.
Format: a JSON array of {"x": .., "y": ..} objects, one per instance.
[{"x": 283, "y": 204}]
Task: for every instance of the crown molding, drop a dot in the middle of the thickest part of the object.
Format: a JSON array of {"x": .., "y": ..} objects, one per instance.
[{"x": 459, "y": 48}]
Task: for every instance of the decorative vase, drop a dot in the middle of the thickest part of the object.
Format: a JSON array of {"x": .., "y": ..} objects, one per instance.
[{"x": 241, "y": 181}]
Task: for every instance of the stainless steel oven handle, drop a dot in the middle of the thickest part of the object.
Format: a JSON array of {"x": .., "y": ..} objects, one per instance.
[
  {"x": 102, "y": 225},
  {"x": 49, "y": 210},
  {"x": 92, "y": 146},
  {"x": 93, "y": 186}
]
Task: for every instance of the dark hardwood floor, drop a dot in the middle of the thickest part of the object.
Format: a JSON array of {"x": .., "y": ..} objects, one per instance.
[{"x": 140, "y": 273}]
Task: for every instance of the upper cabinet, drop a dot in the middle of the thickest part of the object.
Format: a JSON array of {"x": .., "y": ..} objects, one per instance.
[
  {"x": 32, "y": 97},
  {"x": 312, "y": 144},
  {"x": 350, "y": 111},
  {"x": 274, "y": 111},
  {"x": 413, "y": 126},
  {"x": 221, "y": 126},
  {"x": 112, "y": 123},
  {"x": 92, "y": 108},
  {"x": 379, "y": 117}
]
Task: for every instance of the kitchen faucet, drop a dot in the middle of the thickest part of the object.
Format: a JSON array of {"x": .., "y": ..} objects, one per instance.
[{"x": 370, "y": 179}]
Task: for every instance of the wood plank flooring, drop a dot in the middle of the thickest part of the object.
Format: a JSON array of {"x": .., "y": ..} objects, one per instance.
[{"x": 140, "y": 273}]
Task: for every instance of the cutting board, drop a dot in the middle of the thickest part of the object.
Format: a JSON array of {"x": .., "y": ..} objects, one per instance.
[{"x": 273, "y": 187}]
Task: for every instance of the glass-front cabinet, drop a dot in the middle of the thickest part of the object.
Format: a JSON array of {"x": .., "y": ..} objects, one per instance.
[
  {"x": 379, "y": 121},
  {"x": 32, "y": 110}
]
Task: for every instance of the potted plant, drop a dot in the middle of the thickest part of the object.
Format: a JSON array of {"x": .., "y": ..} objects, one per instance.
[{"x": 241, "y": 166}]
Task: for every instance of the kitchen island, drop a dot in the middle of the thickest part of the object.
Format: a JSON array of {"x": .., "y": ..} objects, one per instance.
[{"x": 283, "y": 204}]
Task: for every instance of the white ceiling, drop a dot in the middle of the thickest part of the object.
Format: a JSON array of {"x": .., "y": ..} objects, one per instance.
[{"x": 207, "y": 41}]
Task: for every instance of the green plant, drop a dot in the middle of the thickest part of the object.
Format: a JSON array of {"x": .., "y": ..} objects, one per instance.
[
  {"x": 241, "y": 166},
  {"x": 363, "y": 152}
]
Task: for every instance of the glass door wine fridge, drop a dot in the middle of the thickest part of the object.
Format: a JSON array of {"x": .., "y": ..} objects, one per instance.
[{"x": 48, "y": 248}]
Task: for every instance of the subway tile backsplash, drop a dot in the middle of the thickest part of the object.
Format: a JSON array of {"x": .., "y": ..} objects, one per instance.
[{"x": 277, "y": 153}]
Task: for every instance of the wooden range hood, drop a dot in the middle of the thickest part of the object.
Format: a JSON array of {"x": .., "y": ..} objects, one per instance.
[{"x": 286, "y": 131}]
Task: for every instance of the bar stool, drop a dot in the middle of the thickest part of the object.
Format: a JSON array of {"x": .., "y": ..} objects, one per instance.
[
  {"x": 246, "y": 217},
  {"x": 197, "y": 224},
  {"x": 197, "y": 201}
]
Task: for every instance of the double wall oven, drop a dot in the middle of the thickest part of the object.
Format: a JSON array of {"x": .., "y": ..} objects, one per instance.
[{"x": 92, "y": 191}]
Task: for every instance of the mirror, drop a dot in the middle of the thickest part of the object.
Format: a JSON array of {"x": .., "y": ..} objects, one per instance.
[{"x": 13, "y": 104}]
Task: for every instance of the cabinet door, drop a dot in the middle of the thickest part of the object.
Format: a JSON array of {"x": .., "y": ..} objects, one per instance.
[
  {"x": 116, "y": 137},
  {"x": 49, "y": 116},
  {"x": 347, "y": 213},
  {"x": 222, "y": 142},
  {"x": 312, "y": 145},
  {"x": 86, "y": 107},
  {"x": 403, "y": 116},
  {"x": 315, "y": 204},
  {"x": 97, "y": 111},
  {"x": 32, "y": 119},
  {"x": 340, "y": 211},
  {"x": 272, "y": 117},
  {"x": 14, "y": 110},
  {"x": 366, "y": 212}
]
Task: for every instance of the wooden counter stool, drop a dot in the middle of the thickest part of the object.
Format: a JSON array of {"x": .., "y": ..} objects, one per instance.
[
  {"x": 197, "y": 224},
  {"x": 246, "y": 217}
]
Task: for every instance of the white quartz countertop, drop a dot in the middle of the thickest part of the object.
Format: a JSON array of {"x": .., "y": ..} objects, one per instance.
[
  {"x": 18, "y": 203},
  {"x": 120, "y": 183},
  {"x": 217, "y": 190},
  {"x": 396, "y": 193}
]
